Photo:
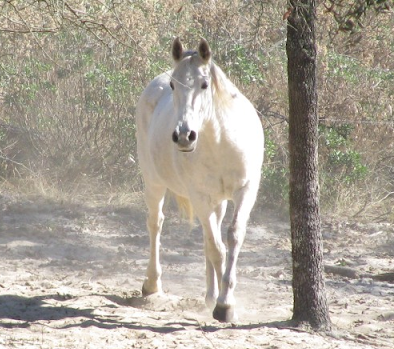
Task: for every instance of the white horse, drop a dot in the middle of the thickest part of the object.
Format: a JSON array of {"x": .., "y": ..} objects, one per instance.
[{"x": 200, "y": 138}]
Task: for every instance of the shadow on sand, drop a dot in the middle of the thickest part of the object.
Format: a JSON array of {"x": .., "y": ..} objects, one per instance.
[{"x": 22, "y": 312}]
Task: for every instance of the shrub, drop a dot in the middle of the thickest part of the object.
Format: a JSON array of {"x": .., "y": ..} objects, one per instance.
[{"x": 68, "y": 94}]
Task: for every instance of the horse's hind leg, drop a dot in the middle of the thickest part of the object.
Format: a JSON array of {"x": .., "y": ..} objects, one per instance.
[{"x": 154, "y": 198}]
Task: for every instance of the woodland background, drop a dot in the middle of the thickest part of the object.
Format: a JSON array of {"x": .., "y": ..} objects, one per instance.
[{"x": 71, "y": 73}]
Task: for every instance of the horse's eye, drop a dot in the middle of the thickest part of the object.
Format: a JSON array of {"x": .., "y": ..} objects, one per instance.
[
  {"x": 171, "y": 85},
  {"x": 204, "y": 85}
]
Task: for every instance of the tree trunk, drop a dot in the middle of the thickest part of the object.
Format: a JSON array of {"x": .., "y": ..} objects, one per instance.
[{"x": 310, "y": 304}]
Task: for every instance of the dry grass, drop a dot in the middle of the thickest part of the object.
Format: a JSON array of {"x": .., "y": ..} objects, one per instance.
[{"x": 68, "y": 96}]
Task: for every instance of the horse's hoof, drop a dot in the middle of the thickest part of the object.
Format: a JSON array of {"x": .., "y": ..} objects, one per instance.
[
  {"x": 225, "y": 313},
  {"x": 146, "y": 291}
]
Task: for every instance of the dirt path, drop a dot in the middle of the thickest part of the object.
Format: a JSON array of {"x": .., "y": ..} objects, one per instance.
[{"x": 71, "y": 275}]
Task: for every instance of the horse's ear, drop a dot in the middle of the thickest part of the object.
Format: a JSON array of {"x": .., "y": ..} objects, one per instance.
[
  {"x": 204, "y": 50},
  {"x": 177, "y": 50}
]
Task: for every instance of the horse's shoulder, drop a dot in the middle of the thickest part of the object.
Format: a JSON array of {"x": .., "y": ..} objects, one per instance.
[{"x": 157, "y": 88}]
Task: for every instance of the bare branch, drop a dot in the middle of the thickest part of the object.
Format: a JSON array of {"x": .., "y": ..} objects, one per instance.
[{"x": 350, "y": 14}]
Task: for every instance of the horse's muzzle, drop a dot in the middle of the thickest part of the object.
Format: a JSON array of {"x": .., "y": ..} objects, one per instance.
[{"x": 186, "y": 140}]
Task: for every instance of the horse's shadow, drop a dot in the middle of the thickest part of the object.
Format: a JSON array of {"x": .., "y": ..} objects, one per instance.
[
  {"x": 26, "y": 310},
  {"x": 22, "y": 312}
]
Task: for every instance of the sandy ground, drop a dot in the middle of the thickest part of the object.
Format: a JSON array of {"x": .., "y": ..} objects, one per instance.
[{"x": 71, "y": 276}]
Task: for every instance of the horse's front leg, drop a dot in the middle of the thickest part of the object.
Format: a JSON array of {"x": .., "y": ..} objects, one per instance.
[
  {"x": 154, "y": 198},
  {"x": 214, "y": 254},
  {"x": 243, "y": 203}
]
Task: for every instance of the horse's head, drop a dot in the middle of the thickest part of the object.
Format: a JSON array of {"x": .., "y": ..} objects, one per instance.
[{"x": 192, "y": 93}]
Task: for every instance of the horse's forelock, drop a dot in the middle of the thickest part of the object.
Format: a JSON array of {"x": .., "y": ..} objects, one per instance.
[
  {"x": 224, "y": 90},
  {"x": 189, "y": 53}
]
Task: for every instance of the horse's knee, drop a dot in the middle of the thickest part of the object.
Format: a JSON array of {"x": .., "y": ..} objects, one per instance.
[
  {"x": 216, "y": 252},
  {"x": 235, "y": 235},
  {"x": 155, "y": 222}
]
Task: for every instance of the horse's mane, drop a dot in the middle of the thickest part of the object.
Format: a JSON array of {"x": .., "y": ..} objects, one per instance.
[{"x": 224, "y": 90}]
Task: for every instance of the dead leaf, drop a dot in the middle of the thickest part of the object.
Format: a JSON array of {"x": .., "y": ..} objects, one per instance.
[{"x": 287, "y": 13}]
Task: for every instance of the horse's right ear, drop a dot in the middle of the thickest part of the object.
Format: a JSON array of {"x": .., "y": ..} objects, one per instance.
[
  {"x": 177, "y": 50},
  {"x": 204, "y": 50}
]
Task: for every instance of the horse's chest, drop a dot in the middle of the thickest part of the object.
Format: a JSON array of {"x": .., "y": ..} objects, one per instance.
[{"x": 213, "y": 176}]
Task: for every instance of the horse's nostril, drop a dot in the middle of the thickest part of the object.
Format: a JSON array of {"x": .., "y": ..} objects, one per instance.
[
  {"x": 192, "y": 136},
  {"x": 175, "y": 137}
]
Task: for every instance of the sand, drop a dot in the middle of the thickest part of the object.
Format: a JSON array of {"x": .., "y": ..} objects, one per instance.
[{"x": 71, "y": 276}]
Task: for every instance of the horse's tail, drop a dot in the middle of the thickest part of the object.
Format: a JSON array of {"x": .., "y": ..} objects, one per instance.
[{"x": 185, "y": 207}]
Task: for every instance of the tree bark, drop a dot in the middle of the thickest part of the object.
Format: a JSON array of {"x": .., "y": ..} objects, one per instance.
[{"x": 310, "y": 304}]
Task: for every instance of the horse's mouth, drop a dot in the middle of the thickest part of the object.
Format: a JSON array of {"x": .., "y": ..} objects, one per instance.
[{"x": 187, "y": 150}]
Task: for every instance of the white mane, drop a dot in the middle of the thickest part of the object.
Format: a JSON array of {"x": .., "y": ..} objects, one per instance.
[{"x": 224, "y": 90}]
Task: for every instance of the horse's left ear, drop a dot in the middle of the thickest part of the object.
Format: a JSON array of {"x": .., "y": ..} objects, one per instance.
[{"x": 204, "y": 50}]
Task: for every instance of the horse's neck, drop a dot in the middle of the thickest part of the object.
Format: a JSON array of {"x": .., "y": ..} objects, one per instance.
[
  {"x": 214, "y": 127},
  {"x": 219, "y": 108}
]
